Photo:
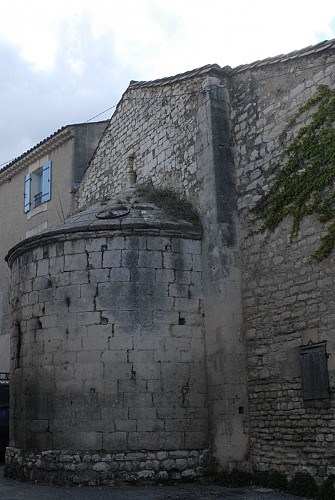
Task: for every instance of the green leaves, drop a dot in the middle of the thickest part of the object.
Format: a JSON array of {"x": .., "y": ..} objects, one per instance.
[{"x": 305, "y": 173}]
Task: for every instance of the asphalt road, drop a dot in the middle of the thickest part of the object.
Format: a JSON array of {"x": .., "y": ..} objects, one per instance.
[{"x": 16, "y": 490}]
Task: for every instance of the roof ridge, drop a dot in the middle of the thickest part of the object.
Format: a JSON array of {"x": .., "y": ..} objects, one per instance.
[
  {"x": 180, "y": 76},
  {"x": 295, "y": 54},
  {"x": 228, "y": 70}
]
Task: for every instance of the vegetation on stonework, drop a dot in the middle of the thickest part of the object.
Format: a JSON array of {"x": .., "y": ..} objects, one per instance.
[
  {"x": 272, "y": 479},
  {"x": 305, "y": 174},
  {"x": 327, "y": 490},
  {"x": 269, "y": 479},
  {"x": 301, "y": 484},
  {"x": 104, "y": 199},
  {"x": 234, "y": 478},
  {"x": 170, "y": 201}
]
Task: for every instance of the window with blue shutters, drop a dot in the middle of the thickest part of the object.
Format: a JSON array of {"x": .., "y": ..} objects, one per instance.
[
  {"x": 27, "y": 193},
  {"x": 46, "y": 182},
  {"x": 39, "y": 183},
  {"x": 37, "y": 187}
]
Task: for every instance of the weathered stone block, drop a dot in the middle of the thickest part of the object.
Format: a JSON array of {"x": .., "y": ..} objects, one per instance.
[
  {"x": 95, "y": 344},
  {"x": 158, "y": 243},
  {"x": 143, "y": 400},
  {"x": 108, "y": 296},
  {"x": 95, "y": 244},
  {"x": 132, "y": 385},
  {"x": 143, "y": 413},
  {"x": 155, "y": 440},
  {"x": 112, "y": 258},
  {"x": 151, "y": 425},
  {"x": 125, "y": 425},
  {"x": 165, "y": 275},
  {"x": 76, "y": 262},
  {"x": 88, "y": 440},
  {"x": 195, "y": 440},
  {"x": 114, "y": 441},
  {"x": 186, "y": 246},
  {"x": 93, "y": 275},
  {"x": 129, "y": 258},
  {"x": 179, "y": 262},
  {"x": 49, "y": 321},
  {"x": 114, "y": 356},
  {"x": 189, "y": 305},
  {"x": 42, "y": 282},
  {"x": 143, "y": 275},
  {"x": 150, "y": 259},
  {"x": 61, "y": 358},
  {"x": 42, "y": 268},
  {"x": 120, "y": 274},
  {"x": 117, "y": 370},
  {"x": 88, "y": 318},
  {"x": 116, "y": 243},
  {"x": 88, "y": 357}
]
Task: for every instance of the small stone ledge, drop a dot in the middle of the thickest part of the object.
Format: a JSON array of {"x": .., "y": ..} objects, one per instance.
[
  {"x": 51, "y": 237},
  {"x": 95, "y": 468}
]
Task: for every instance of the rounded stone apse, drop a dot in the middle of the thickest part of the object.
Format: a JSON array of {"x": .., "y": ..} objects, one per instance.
[{"x": 108, "y": 375}]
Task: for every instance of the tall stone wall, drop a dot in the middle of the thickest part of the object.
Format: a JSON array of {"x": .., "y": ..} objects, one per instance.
[
  {"x": 151, "y": 137},
  {"x": 175, "y": 133},
  {"x": 288, "y": 301},
  {"x": 225, "y": 343},
  {"x": 213, "y": 135}
]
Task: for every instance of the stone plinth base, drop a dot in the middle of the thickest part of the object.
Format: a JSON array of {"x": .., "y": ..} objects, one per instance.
[{"x": 94, "y": 468}]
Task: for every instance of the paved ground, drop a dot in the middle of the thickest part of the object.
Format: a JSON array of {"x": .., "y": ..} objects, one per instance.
[{"x": 16, "y": 490}]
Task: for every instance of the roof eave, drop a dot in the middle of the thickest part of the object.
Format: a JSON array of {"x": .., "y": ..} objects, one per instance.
[{"x": 41, "y": 149}]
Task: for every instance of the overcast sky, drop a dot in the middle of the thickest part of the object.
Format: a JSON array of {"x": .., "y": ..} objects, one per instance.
[{"x": 65, "y": 61}]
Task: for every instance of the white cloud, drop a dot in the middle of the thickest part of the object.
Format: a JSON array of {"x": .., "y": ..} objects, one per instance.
[
  {"x": 65, "y": 61},
  {"x": 33, "y": 28},
  {"x": 158, "y": 37}
]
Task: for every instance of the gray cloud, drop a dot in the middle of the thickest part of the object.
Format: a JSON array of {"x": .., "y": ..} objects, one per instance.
[
  {"x": 101, "y": 47},
  {"x": 86, "y": 79}
]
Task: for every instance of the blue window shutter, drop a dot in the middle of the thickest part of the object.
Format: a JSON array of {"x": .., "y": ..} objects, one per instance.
[
  {"x": 27, "y": 193},
  {"x": 46, "y": 182}
]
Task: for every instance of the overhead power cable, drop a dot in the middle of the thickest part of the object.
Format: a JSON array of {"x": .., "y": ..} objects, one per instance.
[
  {"x": 102, "y": 113},
  {"x": 179, "y": 95}
]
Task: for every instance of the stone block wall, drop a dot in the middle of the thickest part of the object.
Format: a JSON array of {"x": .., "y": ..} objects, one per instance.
[
  {"x": 288, "y": 301},
  {"x": 151, "y": 137},
  {"x": 214, "y": 138},
  {"x": 175, "y": 133},
  {"x": 92, "y": 468},
  {"x": 108, "y": 354}
]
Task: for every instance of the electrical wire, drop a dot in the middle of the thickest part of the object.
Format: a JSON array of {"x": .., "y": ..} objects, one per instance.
[
  {"x": 102, "y": 113},
  {"x": 185, "y": 93}
]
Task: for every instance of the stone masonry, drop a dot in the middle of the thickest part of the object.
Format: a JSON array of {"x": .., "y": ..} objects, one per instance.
[
  {"x": 108, "y": 348},
  {"x": 93, "y": 468},
  {"x": 175, "y": 133},
  {"x": 200, "y": 333},
  {"x": 277, "y": 300},
  {"x": 288, "y": 300}
]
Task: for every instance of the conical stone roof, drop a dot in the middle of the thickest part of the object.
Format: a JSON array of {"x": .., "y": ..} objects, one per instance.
[{"x": 135, "y": 210}]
